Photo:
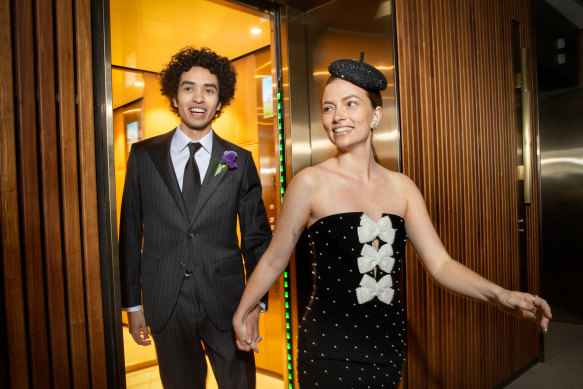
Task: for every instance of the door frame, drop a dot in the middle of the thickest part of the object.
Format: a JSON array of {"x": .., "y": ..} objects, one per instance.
[{"x": 105, "y": 170}]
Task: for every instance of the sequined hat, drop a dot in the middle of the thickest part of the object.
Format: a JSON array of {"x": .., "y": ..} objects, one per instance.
[{"x": 359, "y": 73}]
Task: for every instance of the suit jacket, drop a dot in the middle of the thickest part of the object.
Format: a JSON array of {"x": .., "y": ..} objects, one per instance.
[{"x": 153, "y": 212}]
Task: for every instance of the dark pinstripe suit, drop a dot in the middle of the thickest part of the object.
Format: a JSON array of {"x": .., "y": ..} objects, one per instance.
[{"x": 207, "y": 246}]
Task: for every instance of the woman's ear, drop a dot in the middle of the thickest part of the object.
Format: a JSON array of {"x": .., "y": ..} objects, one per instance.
[{"x": 376, "y": 117}]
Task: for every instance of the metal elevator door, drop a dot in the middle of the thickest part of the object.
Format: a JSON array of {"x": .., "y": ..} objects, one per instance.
[{"x": 559, "y": 52}]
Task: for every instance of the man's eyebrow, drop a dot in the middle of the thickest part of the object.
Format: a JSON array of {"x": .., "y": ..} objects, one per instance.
[{"x": 186, "y": 82}]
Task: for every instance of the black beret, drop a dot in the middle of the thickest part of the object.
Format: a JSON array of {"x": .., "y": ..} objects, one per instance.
[{"x": 359, "y": 73}]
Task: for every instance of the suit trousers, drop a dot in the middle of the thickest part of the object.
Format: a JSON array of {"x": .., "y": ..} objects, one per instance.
[{"x": 181, "y": 357}]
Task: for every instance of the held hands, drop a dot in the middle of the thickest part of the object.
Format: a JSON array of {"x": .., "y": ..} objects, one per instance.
[
  {"x": 527, "y": 305},
  {"x": 138, "y": 328},
  {"x": 247, "y": 330}
]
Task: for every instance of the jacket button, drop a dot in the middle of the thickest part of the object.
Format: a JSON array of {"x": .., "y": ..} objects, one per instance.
[{"x": 190, "y": 234}]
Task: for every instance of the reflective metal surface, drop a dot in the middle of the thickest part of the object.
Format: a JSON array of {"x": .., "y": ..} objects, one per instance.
[
  {"x": 526, "y": 124},
  {"x": 342, "y": 29},
  {"x": 559, "y": 75},
  {"x": 339, "y": 29},
  {"x": 522, "y": 114},
  {"x": 561, "y": 159},
  {"x": 296, "y": 95}
]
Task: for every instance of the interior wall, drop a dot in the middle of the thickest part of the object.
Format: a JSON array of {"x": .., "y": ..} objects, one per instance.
[
  {"x": 53, "y": 318},
  {"x": 456, "y": 87}
]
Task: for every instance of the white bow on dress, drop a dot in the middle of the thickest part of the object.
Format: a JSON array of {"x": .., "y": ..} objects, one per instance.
[
  {"x": 369, "y": 289},
  {"x": 368, "y": 230},
  {"x": 371, "y": 258}
]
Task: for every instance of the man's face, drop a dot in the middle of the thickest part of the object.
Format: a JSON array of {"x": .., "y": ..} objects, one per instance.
[{"x": 197, "y": 101}]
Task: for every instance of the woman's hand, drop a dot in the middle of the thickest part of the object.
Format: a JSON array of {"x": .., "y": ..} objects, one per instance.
[
  {"x": 247, "y": 330},
  {"x": 527, "y": 305}
]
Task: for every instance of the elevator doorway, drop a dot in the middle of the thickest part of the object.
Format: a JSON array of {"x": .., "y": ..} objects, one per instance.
[{"x": 144, "y": 35}]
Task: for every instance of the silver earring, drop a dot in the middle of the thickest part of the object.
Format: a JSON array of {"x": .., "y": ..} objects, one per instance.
[{"x": 374, "y": 126}]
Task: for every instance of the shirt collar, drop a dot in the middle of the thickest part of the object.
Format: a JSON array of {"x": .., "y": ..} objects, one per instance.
[{"x": 181, "y": 140}]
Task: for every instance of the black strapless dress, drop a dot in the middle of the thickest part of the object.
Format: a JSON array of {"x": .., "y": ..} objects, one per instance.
[{"x": 353, "y": 333}]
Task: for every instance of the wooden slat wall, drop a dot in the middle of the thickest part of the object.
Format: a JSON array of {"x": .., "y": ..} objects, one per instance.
[
  {"x": 51, "y": 271},
  {"x": 459, "y": 146}
]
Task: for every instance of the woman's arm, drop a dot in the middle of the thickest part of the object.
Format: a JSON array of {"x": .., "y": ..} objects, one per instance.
[
  {"x": 457, "y": 277},
  {"x": 293, "y": 217}
]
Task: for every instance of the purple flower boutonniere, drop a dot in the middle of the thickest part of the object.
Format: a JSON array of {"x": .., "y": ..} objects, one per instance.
[{"x": 227, "y": 162}]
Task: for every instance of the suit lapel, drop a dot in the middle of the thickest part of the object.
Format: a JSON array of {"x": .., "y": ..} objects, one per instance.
[
  {"x": 210, "y": 181},
  {"x": 159, "y": 151}
]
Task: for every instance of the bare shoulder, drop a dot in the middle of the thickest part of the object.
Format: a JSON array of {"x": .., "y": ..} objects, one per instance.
[
  {"x": 306, "y": 179},
  {"x": 312, "y": 177},
  {"x": 399, "y": 181}
]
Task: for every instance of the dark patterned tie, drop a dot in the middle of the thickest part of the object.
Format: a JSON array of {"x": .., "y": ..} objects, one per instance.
[{"x": 191, "y": 180}]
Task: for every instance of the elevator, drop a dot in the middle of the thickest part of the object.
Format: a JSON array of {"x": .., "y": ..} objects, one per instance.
[
  {"x": 277, "y": 120},
  {"x": 144, "y": 35}
]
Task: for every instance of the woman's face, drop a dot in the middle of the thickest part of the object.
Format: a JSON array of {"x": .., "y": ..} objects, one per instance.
[{"x": 347, "y": 114}]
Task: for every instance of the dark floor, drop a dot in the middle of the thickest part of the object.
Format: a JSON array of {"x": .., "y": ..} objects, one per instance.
[{"x": 563, "y": 366}]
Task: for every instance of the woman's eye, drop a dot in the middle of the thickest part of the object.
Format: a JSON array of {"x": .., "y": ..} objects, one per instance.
[
  {"x": 209, "y": 91},
  {"x": 351, "y": 103},
  {"x": 327, "y": 109}
]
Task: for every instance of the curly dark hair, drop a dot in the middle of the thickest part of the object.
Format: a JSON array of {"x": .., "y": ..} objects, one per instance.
[{"x": 189, "y": 57}]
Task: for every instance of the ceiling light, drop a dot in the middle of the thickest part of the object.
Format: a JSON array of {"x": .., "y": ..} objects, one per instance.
[
  {"x": 138, "y": 83},
  {"x": 255, "y": 31}
]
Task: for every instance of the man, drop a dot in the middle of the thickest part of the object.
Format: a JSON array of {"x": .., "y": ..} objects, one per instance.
[{"x": 179, "y": 253}]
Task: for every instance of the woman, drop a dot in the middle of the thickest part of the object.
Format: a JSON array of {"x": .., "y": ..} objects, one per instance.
[{"x": 353, "y": 333}]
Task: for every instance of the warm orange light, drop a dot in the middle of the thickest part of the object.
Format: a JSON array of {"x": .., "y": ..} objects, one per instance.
[
  {"x": 132, "y": 110},
  {"x": 255, "y": 31}
]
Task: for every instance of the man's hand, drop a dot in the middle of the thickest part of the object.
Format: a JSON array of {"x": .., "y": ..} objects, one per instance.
[
  {"x": 247, "y": 331},
  {"x": 138, "y": 328}
]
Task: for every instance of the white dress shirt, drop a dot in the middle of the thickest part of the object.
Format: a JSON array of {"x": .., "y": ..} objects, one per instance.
[{"x": 180, "y": 153}]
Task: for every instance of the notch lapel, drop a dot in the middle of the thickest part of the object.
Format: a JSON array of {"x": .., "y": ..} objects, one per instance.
[
  {"x": 159, "y": 151},
  {"x": 210, "y": 181}
]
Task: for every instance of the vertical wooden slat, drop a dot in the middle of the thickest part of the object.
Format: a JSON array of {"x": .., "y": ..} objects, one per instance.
[
  {"x": 51, "y": 194},
  {"x": 458, "y": 134},
  {"x": 48, "y": 221},
  {"x": 89, "y": 193},
  {"x": 31, "y": 230},
  {"x": 71, "y": 216},
  {"x": 9, "y": 216}
]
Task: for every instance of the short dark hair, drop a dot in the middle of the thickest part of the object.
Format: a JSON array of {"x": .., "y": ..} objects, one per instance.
[{"x": 186, "y": 59}]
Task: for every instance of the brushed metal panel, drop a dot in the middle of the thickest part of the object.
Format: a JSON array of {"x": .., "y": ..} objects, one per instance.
[
  {"x": 330, "y": 35},
  {"x": 296, "y": 94},
  {"x": 561, "y": 159}
]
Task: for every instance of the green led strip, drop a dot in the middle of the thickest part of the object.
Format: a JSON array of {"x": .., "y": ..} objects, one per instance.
[{"x": 286, "y": 280}]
